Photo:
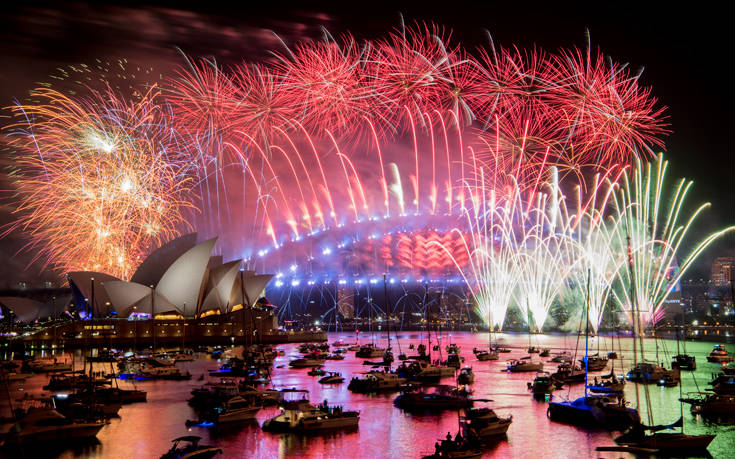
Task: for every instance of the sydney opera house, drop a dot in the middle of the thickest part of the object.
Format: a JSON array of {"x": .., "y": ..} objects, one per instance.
[{"x": 193, "y": 295}]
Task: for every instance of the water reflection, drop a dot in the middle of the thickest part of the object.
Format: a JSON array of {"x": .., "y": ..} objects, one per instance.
[{"x": 146, "y": 429}]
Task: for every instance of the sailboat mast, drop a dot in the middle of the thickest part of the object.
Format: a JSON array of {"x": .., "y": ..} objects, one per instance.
[{"x": 586, "y": 334}]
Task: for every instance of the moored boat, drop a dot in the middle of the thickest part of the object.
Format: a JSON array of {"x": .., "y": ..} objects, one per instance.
[
  {"x": 188, "y": 447},
  {"x": 719, "y": 355},
  {"x": 524, "y": 364}
]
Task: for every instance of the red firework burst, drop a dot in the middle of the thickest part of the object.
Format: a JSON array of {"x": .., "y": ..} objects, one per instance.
[{"x": 611, "y": 118}]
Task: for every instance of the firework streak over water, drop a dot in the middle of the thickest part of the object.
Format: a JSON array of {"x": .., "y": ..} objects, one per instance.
[{"x": 407, "y": 155}]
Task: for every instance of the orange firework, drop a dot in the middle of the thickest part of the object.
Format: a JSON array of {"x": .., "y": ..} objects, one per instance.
[{"x": 101, "y": 180}]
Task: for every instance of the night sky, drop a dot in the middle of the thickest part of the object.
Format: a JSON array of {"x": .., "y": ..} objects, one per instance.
[{"x": 686, "y": 54}]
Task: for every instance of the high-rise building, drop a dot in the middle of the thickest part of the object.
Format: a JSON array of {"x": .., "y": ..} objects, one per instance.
[{"x": 722, "y": 270}]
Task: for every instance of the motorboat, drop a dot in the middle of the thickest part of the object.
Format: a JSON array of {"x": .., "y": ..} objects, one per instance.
[
  {"x": 454, "y": 361},
  {"x": 335, "y": 357},
  {"x": 650, "y": 373},
  {"x": 306, "y": 362},
  {"x": 237, "y": 409},
  {"x": 719, "y": 355},
  {"x": 542, "y": 384},
  {"x": 302, "y": 416},
  {"x": 607, "y": 384},
  {"x": 533, "y": 350},
  {"x": 452, "y": 349},
  {"x": 562, "y": 357},
  {"x": 423, "y": 371},
  {"x": 524, "y": 364},
  {"x": 332, "y": 378},
  {"x": 484, "y": 356},
  {"x": 369, "y": 351},
  {"x": 69, "y": 381},
  {"x": 377, "y": 381},
  {"x": 46, "y": 425},
  {"x": 188, "y": 447},
  {"x": 183, "y": 357},
  {"x": 459, "y": 448},
  {"x": 545, "y": 353},
  {"x": 602, "y": 411},
  {"x": 567, "y": 374},
  {"x": 484, "y": 423},
  {"x": 684, "y": 362},
  {"x": 10, "y": 376},
  {"x": 466, "y": 376},
  {"x": 441, "y": 398},
  {"x": 170, "y": 373},
  {"x": 339, "y": 343},
  {"x": 595, "y": 362}
]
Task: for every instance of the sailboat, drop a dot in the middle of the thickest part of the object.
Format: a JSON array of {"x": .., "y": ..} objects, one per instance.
[
  {"x": 593, "y": 410},
  {"x": 636, "y": 436}
]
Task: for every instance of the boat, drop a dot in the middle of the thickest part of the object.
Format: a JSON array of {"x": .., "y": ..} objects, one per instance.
[
  {"x": 46, "y": 425},
  {"x": 542, "y": 384},
  {"x": 650, "y": 373},
  {"x": 188, "y": 447},
  {"x": 369, "y": 351},
  {"x": 484, "y": 356},
  {"x": 423, "y": 371},
  {"x": 533, "y": 350},
  {"x": 454, "y": 361},
  {"x": 608, "y": 384},
  {"x": 183, "y": 357},
  {"x": 377, "y": 381},
  {"x": 300, "y": 416},
  {"x": 566, "y": 374},
  {"x": 562, "y": 357},
  {"x": 662, "y": 441},
  {"x": 69, "y": 381},
  {"x": 684, "y": 362},
  {"x": 452, "y": 349},
  {"x": 604, "y": 411},
  {"x": 713, "y": 405},
  {"x": 170, "y": 373},
  {"x": 483, "y": 423},
  {"x": 524, "y": 364},
  {"x": 441, "y": 398},
  {"x": 306, "y": 362},
  {"x": 719, "y": 355},
  {"x": 335, "y": 357},
  {"x": 459, "y": 448},
  {"x": 501, "y": 349},
  {"x": 332, "y": 378},
  {"x": 339, "y": 343},
  {"x": 46, "y": 366},
  {"x": 237, "y": 409},
  {"x": 723, "y": 384},
  {"x": 466, "y": 376},
  {"x": 595, "y": 362},
  {"x": 316, "y": 371},
  {"x": 545, "y": 353}
]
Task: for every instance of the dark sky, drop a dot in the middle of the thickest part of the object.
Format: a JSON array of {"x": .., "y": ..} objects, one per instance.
[{"x": 686, "y": 52}]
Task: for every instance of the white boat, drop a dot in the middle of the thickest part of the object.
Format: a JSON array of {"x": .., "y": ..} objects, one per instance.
[
  {"x": 302, "y": 416},
  {"x": 237, "y": 409},
  {"x": 48, "y": 425},
  {"x": 483, "y": 423}
]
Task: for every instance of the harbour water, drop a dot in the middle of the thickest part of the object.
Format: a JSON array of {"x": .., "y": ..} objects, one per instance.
[{"x": 145, "y": 430}]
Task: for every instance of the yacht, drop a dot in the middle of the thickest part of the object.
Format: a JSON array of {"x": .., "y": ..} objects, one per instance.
[
  {"x": 442, "y": 398},
  {"x": 48, "y": 425},
  {"x": 715, "y": 405},
  {"x": 302, "y": 416},
  {"x": 483, "y": 423},
  {"x": 595, "y": 362},
  {"x": 542, "y": 384},
  {"x": 608, "y": 384},
  {"x": 484, "y": 356},
  {"x": 719, "y": 355},
  {"x": 47, "y": 366},
  {"x": 237, "y": 409},
  {"x": 650, "y": 373},
  {"x": 723, "y": 384},
  {"x": 421, "y": 370},
  {"x": 188, "y": 447},
  {"x": 567, "y": 375},
  {"x": 377, "y": 381},
  {"x": 172, "y": 373},
  {"x": 524, "y": 364},
  {"x": 369, "y": 351}
]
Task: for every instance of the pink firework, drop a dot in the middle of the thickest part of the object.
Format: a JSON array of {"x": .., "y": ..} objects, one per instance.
[
  {"x": 611, "y": 117},
  {"x": 326, "y": 83}
]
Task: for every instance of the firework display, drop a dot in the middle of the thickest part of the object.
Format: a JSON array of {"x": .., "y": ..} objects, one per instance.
[
  {"x": 101, "y": 179},
  {"x": 341, "y": 161}
]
